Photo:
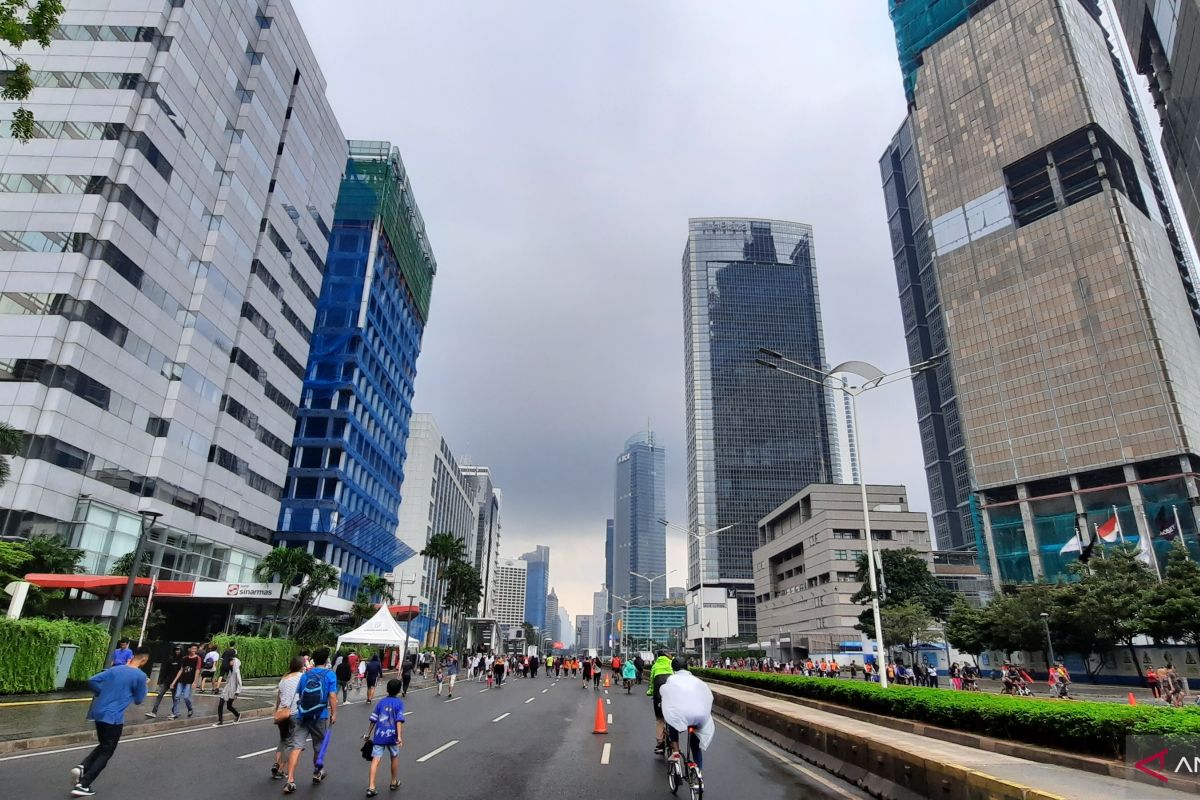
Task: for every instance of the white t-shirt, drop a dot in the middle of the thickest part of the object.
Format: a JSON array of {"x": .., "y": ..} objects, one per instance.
[
  {"x": 289, "y": 686},
  {"x": 210, "y": 659}
]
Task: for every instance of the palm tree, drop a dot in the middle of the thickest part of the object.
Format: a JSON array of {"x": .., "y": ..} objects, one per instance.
[
  {"x": 376, "y": 586},
  {"x": 287, "y": 565},
  {"x": 464, "y": 588},
  {"x": 442, "y": 548},
  {"x": 12, "y": 441}
]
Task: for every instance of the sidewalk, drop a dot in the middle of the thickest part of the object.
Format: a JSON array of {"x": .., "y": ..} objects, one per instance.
[
  {"x": 24, "y": 717},
  {"x": 882, "y": 757}
]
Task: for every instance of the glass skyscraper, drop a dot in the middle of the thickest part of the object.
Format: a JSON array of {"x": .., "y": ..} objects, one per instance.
[
  {"x": 945, "y": 454},
  {"x": 537, "y": 586},
  {"x": 754, "y": 439},
  {"x": 1069, "y": 312},
  {"x": 639, "y": 538},
  {"x": 343, "y": 488}
]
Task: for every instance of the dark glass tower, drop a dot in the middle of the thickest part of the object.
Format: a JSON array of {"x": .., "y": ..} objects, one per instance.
[
  {"x": 343, "y": 487},
  {"x": 639, "y": 537},
  {"x": 754, "y": 439},
  {"x": 537, "y": 586},
  {"x": 946, "y": 466}
]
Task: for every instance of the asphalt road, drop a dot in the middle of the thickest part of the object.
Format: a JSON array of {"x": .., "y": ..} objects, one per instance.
[{"x": 532, "y": 738}]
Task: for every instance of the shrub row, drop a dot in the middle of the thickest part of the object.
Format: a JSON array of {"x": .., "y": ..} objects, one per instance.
[
  {"x": 28, "y": 648},
  {"x": 1081, "y": 726},
  {"x": 260, "y": 656}
]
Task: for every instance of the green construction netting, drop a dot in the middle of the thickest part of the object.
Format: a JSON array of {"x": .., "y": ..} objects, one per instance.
[
  {"x": 920, "y": 23},
  {"x": 375, "y": 184}
]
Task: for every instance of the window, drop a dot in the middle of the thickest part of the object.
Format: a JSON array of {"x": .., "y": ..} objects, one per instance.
[{"x": 845, "y": 534}]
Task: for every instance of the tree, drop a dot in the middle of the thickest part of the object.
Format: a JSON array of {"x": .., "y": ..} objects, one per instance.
[
  {"x": 22, "y": 21},
  {"x": 287, "y": 565},
  {"x": 905, "y": 577},
  {"x": 11, "y": 443},
  {"x": 1173, "y": 608},
  {"x": 1112, "y": 596},
  {"x": 442, "y": 548},
  {"x": 376, "y": 587},
  {"x": 464, "y": 588},
  {"x": 52, "y": 555},
  {"x": 318, "y": 580},
  {"x": 966, "y": 628},
  {"x": 123, "y": 564},
  {"x": 903, "y": 624}
]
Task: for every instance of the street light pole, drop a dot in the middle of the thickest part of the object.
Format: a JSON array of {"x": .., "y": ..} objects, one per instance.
[
  {"x": 148, "y": 516},
  {"x": 1049, "y": 642},
  {"x": 872, "y": 378},
  {"x": 700, "y": 537},
  {"x": 650, "y": 590}
]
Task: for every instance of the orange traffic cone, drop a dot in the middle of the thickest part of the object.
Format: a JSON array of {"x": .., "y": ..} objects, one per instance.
[
  {"x": 1132, "y": 699},
  {"x": 606, "y": 683},
  {"x": 601, "y": 725}
]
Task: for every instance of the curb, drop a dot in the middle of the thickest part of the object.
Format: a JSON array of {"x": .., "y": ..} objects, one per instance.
[
  {"x": 879, "y": 768},
  {"x": 130, "y": 731},
  {"x": 1042, "y": 755}
]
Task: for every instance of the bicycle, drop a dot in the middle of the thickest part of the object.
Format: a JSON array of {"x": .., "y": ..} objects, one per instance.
[{"x": 683, "y": 769}]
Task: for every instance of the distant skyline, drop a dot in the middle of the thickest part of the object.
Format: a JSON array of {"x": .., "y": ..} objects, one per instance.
[{"x": 557, "y": 155}]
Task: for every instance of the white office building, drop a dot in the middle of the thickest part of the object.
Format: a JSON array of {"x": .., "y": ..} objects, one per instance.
[
  {"x": 509, "y": 598},
  {"x": 162, "y": 243},
  {"x": 483, "y": 546},
  {"x": 435, "y": 498}
]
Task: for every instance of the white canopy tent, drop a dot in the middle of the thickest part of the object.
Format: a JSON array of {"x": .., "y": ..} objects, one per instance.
[{"x": 381, "y": 629}]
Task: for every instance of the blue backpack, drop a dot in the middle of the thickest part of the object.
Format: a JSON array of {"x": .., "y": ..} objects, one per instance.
[{"x": 313, "y": 699}]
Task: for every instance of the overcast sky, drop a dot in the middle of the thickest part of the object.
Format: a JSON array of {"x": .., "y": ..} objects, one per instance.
[{"x": 556, "y": 151}]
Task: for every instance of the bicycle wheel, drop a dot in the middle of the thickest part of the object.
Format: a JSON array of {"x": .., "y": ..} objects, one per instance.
[
  {"x": 672, "y": 777},
  {"x": 696, "y": 784}
]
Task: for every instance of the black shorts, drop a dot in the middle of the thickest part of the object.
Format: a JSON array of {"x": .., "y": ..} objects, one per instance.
[{"x": 372, "y": 681}]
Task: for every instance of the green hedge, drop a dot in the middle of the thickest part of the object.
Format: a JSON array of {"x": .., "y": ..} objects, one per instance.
[
  {"x": 1081, "y": 726},
  {"x": 260, "y": 656},
  {"x": 28, "y": 648}
]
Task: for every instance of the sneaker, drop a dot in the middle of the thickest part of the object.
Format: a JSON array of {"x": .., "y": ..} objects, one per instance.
[
  {"x": 172, "y": 716},
  {"x": 82, "y": 791},
  {"x": 289, "y": 788},
  {"x": 393, "y": 786},
  {"x": 217, "y": 724},
  {"x": 151, "y": 715},
  {"x": 276, "y": 775},
  {"x": 658, "y": 749},
  {"x": 76, "y": 774},
  {"x": 372, "y": 793},
  {"x": 318, "y": 776},
  {"x": 191, "y": 714}
]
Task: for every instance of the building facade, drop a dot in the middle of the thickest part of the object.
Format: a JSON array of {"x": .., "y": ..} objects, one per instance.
[
  {"x": 1069, "y": 312},
  {"x": 669, "y": 622},
  {"x": 609, "y": 566},
  {"x": 483, "y": 550},
  {"x": 1164, "y": 40},
  {"x": 806, "y": 564},
  {"x": 342, "y": 497},
  {"x": 947, "y": 468},
  {"x": 639, "y": 542},
  {"x": 566, "y": 631},
  {"x": 583, "y": 631},
  {"x": 154, "y": 326},
  {"x": 536, "y": 585},
  {"x": 436, "y": 499},
  {"x": 600, "y": 627},
  {"x": 510, "y": 592},
  {"x": 553, "y": 625},
  {"x": 754, "y": 438}
]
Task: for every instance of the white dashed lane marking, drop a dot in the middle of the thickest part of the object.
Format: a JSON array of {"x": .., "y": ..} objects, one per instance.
[{"x": 441, "y": 749}]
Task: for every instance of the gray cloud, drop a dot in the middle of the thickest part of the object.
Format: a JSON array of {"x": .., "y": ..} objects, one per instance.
[{"x": 556, "y": 152}]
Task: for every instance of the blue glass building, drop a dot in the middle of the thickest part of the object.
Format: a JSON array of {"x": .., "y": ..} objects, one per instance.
[
  {"x": 639, "y": 505},
  {"x": 537, "y": 586},
  {"x": 754, "y": 437},
  {"x": 343, "y": 486}
]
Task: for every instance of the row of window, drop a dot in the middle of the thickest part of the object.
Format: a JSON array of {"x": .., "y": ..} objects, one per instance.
[
  {"x": 239, "y": 357},
  {"x": 238, "y": 466},
  {"x": 248, "y": 418},
  {"x": 57, "y": 376}
]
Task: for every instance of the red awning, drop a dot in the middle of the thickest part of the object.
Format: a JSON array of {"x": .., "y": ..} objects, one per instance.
[
  {"x": 405, "y": 613},
  {"x": 107, "y": 585}
]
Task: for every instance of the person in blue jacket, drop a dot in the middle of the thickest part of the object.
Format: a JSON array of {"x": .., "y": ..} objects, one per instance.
[{"x": 114, "y": 689}]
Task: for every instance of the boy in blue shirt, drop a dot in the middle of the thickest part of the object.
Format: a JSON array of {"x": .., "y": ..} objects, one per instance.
[
  {"x": 385, "y": 734},
  {"x": 114, "y": 689}
]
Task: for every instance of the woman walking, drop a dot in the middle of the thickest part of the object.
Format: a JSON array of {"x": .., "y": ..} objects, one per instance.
[
  {"x": 208, "y": 672},
  {"x": 498, "y": 671},
  {"x": 285, "y": 718},
  {"x": 229, "y": 692}
]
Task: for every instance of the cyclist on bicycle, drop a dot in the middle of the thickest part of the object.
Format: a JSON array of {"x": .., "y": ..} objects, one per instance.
[
  {"x": 687, "y": 705},
  {"x": 629, "y": 675},
  {"x": 659, "y": 672}
]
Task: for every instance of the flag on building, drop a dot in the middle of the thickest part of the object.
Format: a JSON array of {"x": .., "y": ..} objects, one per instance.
[
  {"x": 1072, "y": 545},
  {"x": 1110, "y": 531},
  {"x": 1167, "y": 524}
]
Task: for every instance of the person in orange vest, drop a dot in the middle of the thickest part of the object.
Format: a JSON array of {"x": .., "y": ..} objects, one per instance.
[
  {"x": 824, "y": 668},
  {"x": 868, "y": 670}
]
